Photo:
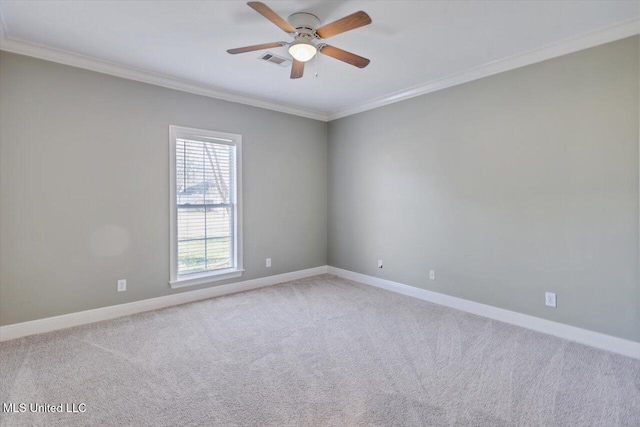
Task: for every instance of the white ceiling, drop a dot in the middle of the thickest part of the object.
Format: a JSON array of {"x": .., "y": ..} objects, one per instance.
[{"x": 410, "y": 43}]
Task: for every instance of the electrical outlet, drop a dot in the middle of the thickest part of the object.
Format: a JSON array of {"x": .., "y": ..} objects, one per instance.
[
  {"x": 550, "y": 299},
  {"x": 268, "y": 262},
  {"x": 379, "y": 263},
  {"x": 432, "y": 275},
  {"x": 122, "y": 285}
]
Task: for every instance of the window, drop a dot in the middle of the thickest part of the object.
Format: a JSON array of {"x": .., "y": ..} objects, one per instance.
[{"x": 206, "y": 216}]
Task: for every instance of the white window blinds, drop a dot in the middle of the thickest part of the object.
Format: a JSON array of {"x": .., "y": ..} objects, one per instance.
[{"x": 206, "y": 205}]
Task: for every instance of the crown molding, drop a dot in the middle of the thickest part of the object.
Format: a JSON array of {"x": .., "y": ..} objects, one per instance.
[
  {"x": 81, "y": 61},
  {"x": 563, "y": 47},
  {"x": 554, "y": 50}
]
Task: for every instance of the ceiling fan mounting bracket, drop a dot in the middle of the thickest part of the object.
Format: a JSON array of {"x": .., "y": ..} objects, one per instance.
[{"x": 305, "y": 24}]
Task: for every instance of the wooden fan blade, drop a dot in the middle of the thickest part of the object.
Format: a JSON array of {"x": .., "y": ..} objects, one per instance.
[
  {"x": 344, "y": 56},
  {"x": 255, "y": 47},
  {"x": 351, "y": 22},
  {"x": 297, "y": 69},
  {"x": 265, "y": 11}
]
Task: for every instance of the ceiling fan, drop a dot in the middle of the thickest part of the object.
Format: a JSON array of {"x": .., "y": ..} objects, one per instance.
[{"x": 305, "y": 30}]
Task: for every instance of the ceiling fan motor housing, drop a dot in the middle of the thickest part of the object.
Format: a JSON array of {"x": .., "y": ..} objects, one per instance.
[{"x": 305, "y": 24}]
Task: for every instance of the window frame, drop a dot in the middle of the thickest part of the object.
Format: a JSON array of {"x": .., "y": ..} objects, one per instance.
[{"x": 176, "y": 281}]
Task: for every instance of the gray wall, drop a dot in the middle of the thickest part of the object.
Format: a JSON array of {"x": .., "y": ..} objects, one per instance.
[
  {"x": 508, "y": 187},
  {"x": 84, "y": 180}
]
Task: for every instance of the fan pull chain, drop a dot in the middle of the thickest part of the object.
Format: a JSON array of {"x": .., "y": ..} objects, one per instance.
[{"x": 317, "y": 65}]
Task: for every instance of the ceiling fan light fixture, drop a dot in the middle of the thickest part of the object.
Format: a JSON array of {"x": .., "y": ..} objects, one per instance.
[{"x": 302, "y": 50}]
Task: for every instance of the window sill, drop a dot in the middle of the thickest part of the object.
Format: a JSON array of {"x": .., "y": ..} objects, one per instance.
[{"x": 209, "y": 277}]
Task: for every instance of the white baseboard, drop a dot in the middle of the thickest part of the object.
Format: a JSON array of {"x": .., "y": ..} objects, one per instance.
[
  {"x": 572, "y": 333},
  {"x": 49, "y": 324}
]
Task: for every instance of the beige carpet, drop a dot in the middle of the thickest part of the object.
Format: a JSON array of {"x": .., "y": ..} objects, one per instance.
[{"x": 316, "y": 352}]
